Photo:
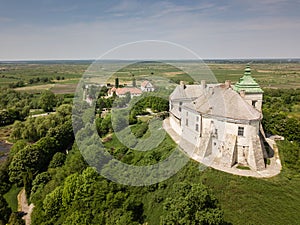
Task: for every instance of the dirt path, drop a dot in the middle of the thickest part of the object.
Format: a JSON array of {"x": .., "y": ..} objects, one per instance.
[{"x": 24, "y": 207}]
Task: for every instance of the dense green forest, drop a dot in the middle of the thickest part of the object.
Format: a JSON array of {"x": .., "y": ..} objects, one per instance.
[
  {"x": 65, "y": 190},
  {"x": 46, "y": 161},
  {"x": 281, "y": 110}
]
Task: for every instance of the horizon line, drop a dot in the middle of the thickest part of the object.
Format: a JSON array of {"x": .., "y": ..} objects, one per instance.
[{"x": 204, "y": 59}]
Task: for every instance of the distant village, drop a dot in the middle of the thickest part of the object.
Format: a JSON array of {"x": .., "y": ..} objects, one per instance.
[{"x": 120, "y": 90}]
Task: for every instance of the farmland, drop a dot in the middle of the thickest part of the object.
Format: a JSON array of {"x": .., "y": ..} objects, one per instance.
[
  {"x": 63, "y": 77},
  {"x": 243, "y": 200}
]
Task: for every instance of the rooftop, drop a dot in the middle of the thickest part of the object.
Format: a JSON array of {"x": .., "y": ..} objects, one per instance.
[
  {"x": 224, "y": 102},
  {"x": 247, "y": 83},
  {"x": 131, "y": 90}
]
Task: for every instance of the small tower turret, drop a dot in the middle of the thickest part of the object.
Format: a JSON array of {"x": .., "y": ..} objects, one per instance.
[{"x": 252, "y": 92}]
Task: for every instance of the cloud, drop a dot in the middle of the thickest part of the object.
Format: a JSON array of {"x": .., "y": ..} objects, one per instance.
[{"x": 210, "y": 28}]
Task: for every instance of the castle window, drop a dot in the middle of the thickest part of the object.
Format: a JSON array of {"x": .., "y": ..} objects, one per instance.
[
  {"x": 180, "y": 104},
  {"x": 197, "y": 118},
  {"x": 179, "y": 109},
  {"x": 187, "y": 114},
  {"x": 186, "y": 122},
  {"x": 254, "y": 103},
  {"x": 240, "y": 131},
  {"x": 197, "y": 127}
]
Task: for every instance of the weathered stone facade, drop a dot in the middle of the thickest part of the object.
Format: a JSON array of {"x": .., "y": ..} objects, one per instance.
[{"x": 219, "y": 122}]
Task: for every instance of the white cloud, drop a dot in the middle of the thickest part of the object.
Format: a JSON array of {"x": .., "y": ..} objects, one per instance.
[{"x": 195, "y": 27}]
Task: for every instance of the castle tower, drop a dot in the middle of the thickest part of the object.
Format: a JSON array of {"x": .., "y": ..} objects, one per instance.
[{"x": 249, "y": 89}]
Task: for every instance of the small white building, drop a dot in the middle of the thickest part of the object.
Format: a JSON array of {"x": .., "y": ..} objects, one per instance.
[
  {"x": 219, "y": 122},
  {"x": 146, "y": 86}
]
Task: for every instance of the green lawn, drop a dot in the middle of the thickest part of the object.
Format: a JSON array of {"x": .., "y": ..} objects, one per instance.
[
  {"x": 256, "y": 201},
  {"x": 11, "y": 197},
  {"x": 244, "y": 200}
]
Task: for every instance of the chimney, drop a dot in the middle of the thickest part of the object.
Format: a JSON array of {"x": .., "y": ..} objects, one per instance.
[
  {"x": 242, "y": 93},
  {"x": 182, "y": 85},
  {"x": 203, "y": 84},
  {"x": 227, "y": 84}
]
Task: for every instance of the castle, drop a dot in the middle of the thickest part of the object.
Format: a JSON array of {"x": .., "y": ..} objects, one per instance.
[{"x": 220, "y": 123}]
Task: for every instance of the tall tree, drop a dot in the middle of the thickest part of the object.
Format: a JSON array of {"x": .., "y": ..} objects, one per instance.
[
  {"x": 5, "y": 211},
  {"x": 193, "y": 204},
  {"x": 47, "y": 101}
]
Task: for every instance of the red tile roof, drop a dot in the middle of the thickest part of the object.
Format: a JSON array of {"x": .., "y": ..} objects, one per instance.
[{"x": 131, "y": 90}]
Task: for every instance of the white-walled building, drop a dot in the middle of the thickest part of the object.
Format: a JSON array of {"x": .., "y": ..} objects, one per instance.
[
  {"x": 220, "y": 122},
  {"x": 146, "y": 86}
]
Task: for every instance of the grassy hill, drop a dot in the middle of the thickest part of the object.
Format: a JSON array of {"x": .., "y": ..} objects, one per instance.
[{"x": 244, "y": 200}]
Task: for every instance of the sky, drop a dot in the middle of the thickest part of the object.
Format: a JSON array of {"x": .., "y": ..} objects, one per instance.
[{"x": 213, "y": 29}]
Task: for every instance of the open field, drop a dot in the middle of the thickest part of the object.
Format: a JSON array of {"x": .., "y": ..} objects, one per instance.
[
  {"x": 37, "y": 77},
  {"x": 267, "y": 75},
  {"x": 271, "y": 75},
  {"x": 25, "y": 71}
]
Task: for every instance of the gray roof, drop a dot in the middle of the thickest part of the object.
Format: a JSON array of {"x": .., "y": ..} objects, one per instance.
[
  {"x": 188, "y": 91},
  {"x": 223, "y": 102}
]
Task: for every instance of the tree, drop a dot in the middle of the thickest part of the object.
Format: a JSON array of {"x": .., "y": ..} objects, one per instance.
[
  {"x": 101, "y": 103},
  {"x": 38, "y": 185},
  {"x": 193, "y": 204},
  {"x": 63, "y": 134},
  {"x": 47, "y": 101},
  {"x": 116, "y": 82},
  {"x": 68, "y": 193},
  {"x": 127, "y": 97},
  {"x": 106, "y": 125},
  {"x": 103, "y": 91},
  {"x": 16, "y": 219},
  {"x": 5, "y": 211},
  {"x": 18, "y": 146},
  {"x": 4, "y": 177},
  {"x": 133, "y": 81},
  {"x": 32, "y": 160},
  {"x": 64, "y": 110},
  {"x": 52, "y": 203},
  {"x": 40, "y": 180},
  {"x": 78, "y": 217},
  {"x": 57, "y": 160},
  {"x": 92, "y": 91}
]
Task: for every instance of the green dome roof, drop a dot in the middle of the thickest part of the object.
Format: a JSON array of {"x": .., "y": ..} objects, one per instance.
[{"x": 247, "y": 83}]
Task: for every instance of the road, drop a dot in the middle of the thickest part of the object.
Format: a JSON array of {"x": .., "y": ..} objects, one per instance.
[{"x": 24, "y": 207}]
